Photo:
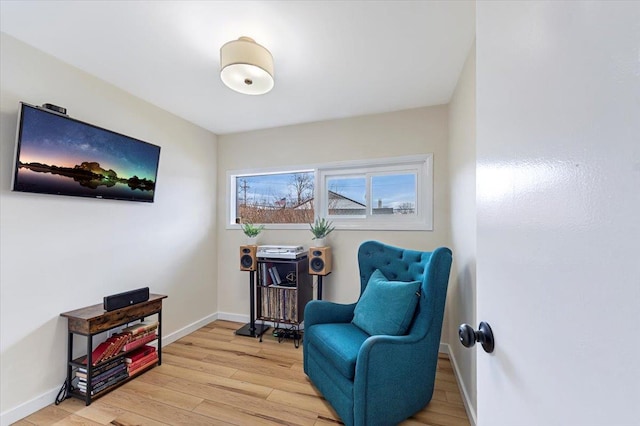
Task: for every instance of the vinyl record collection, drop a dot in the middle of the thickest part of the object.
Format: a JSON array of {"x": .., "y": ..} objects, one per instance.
[
  {"x": 278, "y": 292},
  {"x": 280, "y": 304}
]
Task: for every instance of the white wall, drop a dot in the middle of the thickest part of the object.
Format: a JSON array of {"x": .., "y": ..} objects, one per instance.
[
  {"x": 415, "y": 131},
  {"x": 461, "y": 300},
  {"x": 558, "y": 212},
  {"x": 62, "y": 253}
]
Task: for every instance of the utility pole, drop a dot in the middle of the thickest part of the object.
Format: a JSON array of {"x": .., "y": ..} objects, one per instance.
[{"x": 243, "y": 187}]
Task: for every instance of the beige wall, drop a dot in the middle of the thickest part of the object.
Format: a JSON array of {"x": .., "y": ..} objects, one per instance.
[
  {"x": 415, "y": 131},
  {"x": 461, "y": 300},
  {"x": 61, "y": 253}
]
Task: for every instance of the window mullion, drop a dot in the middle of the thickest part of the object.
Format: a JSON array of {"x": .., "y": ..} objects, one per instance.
[{"x": 367, "y": 196}]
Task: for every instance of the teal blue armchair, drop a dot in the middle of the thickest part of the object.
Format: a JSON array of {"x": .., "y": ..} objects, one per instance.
[{"x": 378, "y": 379}]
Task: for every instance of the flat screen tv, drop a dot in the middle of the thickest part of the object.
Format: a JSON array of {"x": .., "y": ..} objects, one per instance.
[{"x": 56, "y": 154}]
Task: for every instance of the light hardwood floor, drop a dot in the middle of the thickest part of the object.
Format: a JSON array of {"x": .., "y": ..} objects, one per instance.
[{"x": 213, "y": 377}]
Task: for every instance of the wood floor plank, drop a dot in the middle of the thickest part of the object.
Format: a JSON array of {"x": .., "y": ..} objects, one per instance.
[
  {"x": 447, "y": 386},
  {"x": 215, "y": 335},
  {"x": 183, "y": 351},
  {"x": 75, "y": 420},
  {"x": 163, "y": 395},
  {"x": 439, "y": 395},
  {"x": 158, "y": 411},
  {"x": 214, "y": 377},
  {"x": 256, "y": 415},
  {"x": 99, "y": 412},
  {"x": 201, "y": 341},
  {"x": 305, "y": 388},
  {"x": 445, "y": 408},
  {"x": 272, "y": 368},
  {"x": 72, "y": 405},
  {"x": 106, "y": 414},
  {"x": 215, "y": 382},
  {"x": 47, "y": 416},
  {"x": 438, "y": 419},
  {"x": 327, "y": 422},
  {"x": 314, "y": 404},
  {"x": 257, "y": 405},
  {"x": 454, "y": 397}
]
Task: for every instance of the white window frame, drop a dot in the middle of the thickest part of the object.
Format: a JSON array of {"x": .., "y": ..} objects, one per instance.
[{"x": 421, "y": 165}]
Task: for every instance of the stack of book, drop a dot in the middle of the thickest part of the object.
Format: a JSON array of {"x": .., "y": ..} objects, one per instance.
[
  {"x": 104, "y": 376},
  {"x": 130, "y": 338},
  {"x": 109, "y": 348},
  {"x": 271, "y": 275},
  {"x": 139, "y": 334},
  {"x": 140, "y": 359}
]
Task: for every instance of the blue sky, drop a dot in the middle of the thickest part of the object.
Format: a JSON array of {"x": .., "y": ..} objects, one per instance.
[{"x": 392, "y": 189}]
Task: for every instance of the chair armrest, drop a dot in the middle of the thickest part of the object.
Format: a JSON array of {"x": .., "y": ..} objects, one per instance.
[{"x": 323, "y": 312}]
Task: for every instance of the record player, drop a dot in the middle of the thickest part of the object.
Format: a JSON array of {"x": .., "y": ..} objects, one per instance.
[{"x": 281, "y": 252}]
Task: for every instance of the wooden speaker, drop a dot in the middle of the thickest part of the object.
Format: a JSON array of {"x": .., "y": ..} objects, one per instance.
[
  {"x": 320, "y": 260},
  {"x": 248, "y": 261}
]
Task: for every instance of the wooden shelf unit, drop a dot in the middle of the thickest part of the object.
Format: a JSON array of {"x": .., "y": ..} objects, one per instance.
[
  {"x": 284, "y": 304},
  {"x": 92, "y": 320}
]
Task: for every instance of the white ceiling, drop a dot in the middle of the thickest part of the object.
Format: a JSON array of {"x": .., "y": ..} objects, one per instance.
[{"x": 333, "y": 59}]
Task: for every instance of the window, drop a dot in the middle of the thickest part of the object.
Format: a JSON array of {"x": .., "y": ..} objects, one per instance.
[
  {"x": 394, "y": 193},
  {"x": 285, "y": 197}
]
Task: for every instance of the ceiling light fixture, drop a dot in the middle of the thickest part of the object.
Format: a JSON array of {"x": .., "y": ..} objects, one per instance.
[{"x": 246, "y": 67}]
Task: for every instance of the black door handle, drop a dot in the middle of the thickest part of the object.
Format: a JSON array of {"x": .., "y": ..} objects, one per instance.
[{"x": 484, "y": 335}]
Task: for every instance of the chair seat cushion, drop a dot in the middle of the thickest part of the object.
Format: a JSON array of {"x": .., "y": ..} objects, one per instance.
[
  {"x": 339, "y": 343},
  {"x": 386, "y": 307}
]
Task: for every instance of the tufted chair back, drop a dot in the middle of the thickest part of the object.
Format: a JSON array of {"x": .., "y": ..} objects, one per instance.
[{"x": 400, "y": 264}]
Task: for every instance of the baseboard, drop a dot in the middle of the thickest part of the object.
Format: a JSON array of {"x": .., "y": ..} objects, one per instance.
[
  {"x": 23, "y": 410},
  {"x": 468, "y": 406},
  {"x": 185, "y": 331},
  {"x": 226, "y": 316}
]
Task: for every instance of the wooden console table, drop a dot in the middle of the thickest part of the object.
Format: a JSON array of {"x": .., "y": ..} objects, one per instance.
[{"x": 92, "y": 320}]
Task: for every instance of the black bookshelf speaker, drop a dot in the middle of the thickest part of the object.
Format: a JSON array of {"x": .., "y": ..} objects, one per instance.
[
  {"x": 320, "y": 260},
  {"x": 248, "y": 261},
  {"x": 128, "y": 298}
]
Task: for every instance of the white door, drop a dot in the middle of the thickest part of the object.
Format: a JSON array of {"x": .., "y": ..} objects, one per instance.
[{"x": 558, "y": 199}]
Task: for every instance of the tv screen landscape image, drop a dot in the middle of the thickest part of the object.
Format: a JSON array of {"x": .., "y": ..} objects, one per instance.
[{"x": 56, "y": 154}]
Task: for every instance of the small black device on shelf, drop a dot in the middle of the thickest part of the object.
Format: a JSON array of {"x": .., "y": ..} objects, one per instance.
[{"x": 128, "y": 298}]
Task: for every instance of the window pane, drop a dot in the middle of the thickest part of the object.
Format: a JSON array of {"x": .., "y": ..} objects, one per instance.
[
  {"x": 346, "y": 196},
  {"x": 377, "y": 194},
  {"x": 275, "y": 198},
  {"x": 394, "y": 194}
]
